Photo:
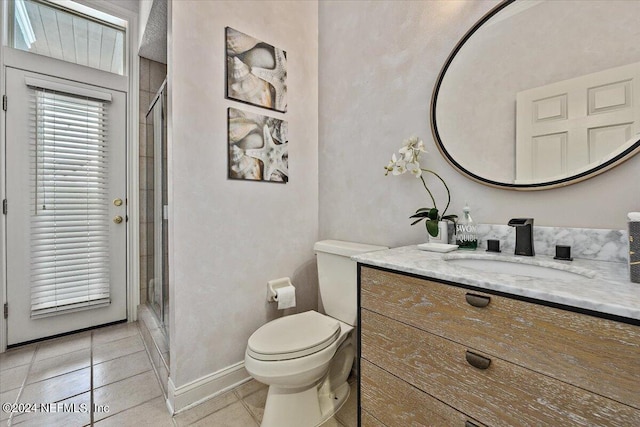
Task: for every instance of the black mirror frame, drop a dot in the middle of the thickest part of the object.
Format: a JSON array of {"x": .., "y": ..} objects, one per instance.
[{"x": 611, "y": 163}]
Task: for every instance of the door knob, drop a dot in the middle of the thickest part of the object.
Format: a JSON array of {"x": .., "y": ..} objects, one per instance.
[
  {"x": 117, "y": 202},
  {"x": 117, "y": 219}
]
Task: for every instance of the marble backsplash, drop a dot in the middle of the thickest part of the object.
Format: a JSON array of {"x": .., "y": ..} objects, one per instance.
[{"x": 586, "y": 243}]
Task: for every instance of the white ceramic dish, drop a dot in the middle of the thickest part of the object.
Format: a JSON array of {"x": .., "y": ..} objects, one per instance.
[{"x": 437, "y": 247}]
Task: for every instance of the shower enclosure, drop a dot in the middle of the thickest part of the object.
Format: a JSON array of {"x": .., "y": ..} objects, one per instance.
[{"x": 157, "y": 230}]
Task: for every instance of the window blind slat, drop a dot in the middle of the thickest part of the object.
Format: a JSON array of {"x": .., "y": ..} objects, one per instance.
[
  {"x": 69, "y": 222},
  {"x": 72, "y": 264}
]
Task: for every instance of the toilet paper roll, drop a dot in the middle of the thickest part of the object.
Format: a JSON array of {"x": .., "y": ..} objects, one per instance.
[{"x": 286, "y": 297}]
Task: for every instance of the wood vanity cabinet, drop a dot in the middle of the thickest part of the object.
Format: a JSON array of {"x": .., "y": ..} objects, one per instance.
[{"x": 437, "y": 354}]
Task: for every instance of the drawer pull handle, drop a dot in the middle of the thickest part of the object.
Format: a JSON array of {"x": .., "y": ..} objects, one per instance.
[
  {"x": 470, "y": 424},
  {"x": 477, "y": 300},
  {"x": 477, "y": 361}
]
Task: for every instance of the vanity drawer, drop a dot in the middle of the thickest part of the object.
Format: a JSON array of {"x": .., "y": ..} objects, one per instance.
[
  {"x": 503, "y": 394},
  {"x": 597, "y": 354},
  {"x": 369, "y": 420},
  {"x": 395, "y": 403}
]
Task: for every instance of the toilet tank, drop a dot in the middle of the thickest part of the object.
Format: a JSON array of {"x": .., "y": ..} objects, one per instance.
[{"x": 338, "y": 277}]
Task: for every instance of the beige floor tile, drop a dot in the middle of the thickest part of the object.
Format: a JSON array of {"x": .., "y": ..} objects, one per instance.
[
  {"x": 16, "y": 357},
  {"x": 255, "y": 403},
  {"x": 332, "y": 422},
  {"x": 58, "y": 388},
  {"x": 114, "y": 349},
  {"x": 118, "y": 369},
  {"x": 348, "y": 414},
  {"x": 13, "y": 377},
  {"x": 234, "y": 415},
  {"x": 153, "y": 413},
  {"x": 73, "y": 412},
  {"x": 63, "y": 345},
  {"x": 7, "y": 397},
  {"x": 205, "y": 409},
  {"x": 115, "y": 332},
  {"x": 248, "y": 388},
  {"x": 58, "y": 365},
  {"x": 127, "y": 393}
]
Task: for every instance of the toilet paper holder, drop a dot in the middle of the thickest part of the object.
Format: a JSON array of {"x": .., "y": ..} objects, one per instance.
[{"x": 274, "y": 285}]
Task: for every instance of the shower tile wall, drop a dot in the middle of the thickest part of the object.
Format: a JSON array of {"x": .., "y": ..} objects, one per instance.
[{"x": 152, "y": 75}]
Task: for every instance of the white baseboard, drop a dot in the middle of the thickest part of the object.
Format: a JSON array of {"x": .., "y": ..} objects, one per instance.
[{"x": 195, "y": 392}]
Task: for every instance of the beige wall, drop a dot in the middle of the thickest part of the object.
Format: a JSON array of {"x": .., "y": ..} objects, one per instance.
[
  {"x": 229, "y": 237},
  {"x": 378, "y": 65},
  {"x": 364, "y": 72}
]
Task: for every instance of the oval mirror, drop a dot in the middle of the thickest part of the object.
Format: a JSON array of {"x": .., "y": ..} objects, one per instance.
[{"x": 541, "y": 94}]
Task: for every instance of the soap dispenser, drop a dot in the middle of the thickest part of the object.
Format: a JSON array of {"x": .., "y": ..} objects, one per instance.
[{"x": 466, "y": 235}]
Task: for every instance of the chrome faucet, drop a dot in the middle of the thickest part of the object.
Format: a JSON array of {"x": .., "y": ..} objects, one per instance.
[{"x": 524, "y": 235}]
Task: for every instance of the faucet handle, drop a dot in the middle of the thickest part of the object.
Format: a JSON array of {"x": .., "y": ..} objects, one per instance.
[{"x": 519, "y": 222}]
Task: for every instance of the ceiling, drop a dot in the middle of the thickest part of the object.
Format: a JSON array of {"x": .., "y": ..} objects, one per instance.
[{"x": 154, "y": 40}]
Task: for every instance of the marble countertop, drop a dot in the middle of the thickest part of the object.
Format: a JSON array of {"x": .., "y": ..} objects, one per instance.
[{"x": 608, "y": 289}]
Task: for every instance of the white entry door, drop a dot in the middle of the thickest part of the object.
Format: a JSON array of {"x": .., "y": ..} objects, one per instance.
[{"x": 66, "y": 206}]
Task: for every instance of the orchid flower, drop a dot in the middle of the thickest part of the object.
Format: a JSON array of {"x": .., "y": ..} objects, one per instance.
[{"x": 410, "y": 161}]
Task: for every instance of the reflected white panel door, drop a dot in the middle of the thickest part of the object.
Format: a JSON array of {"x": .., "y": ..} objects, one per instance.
[
  {"x": 591, "y": 119},
  {"x": 66, "y": 228}
]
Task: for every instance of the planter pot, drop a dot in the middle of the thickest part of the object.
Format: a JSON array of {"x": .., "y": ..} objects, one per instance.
[{"x": 443, "y": 233}]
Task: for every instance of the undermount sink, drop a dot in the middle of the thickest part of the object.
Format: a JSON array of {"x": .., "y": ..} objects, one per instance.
[{"x": 512, "y": 266}]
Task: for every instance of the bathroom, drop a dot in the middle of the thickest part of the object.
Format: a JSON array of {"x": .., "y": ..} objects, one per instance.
[{"x": 360, "y": 81}]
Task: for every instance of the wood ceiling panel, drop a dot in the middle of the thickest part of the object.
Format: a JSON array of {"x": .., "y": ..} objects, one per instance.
[
  {"x": 64, "y": 35},
  {"x": 106, "y": 51},
  {"x": 81, "y": 41},
  {"x": 65, "y": 32},
  {"x": 50, "y": 24},
  {"x": 40, "y": 46}
]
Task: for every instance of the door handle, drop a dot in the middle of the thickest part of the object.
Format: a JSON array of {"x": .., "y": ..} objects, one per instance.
[
  {"x": 117, "y": 219},
  {"x": 477, "y": 361},
  {"x": 117, "y": 202},
  {"x": 477, "y": 300}
]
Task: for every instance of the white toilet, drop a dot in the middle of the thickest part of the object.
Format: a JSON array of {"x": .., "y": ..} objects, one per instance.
[{"x": 306, "y": 358}]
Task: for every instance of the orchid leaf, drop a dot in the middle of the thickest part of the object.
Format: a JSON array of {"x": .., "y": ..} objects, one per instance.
[
  {"x": 433, "y": 215},
  {"x": 432, "y": 227},
  {"x": 420, "y": 215},
  {"x": 453, "y": 218},
  {"x": 417, "y": 221}
]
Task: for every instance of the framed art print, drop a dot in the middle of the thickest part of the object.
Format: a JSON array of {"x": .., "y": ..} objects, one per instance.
[
  {"x": 256, "y": 72},
  {"x": 258, "y": 147}
]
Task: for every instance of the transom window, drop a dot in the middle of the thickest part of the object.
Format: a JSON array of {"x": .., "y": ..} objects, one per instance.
[{"x": 70, "y": 32}]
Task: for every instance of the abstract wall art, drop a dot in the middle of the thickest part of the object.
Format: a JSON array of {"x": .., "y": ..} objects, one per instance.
[
  {"x": 258, "y": 147},
  {"x": 256, "y": 72}
]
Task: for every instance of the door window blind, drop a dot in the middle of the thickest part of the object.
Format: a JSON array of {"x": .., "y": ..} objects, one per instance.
[{"x": 69, "y": 236}]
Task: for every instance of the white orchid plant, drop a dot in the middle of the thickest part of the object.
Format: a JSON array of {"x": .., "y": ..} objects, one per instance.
[{"x": 409, "y": 161}]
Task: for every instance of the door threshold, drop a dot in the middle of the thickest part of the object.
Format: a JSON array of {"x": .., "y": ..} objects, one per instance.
[{"x": 65, "y": 334}]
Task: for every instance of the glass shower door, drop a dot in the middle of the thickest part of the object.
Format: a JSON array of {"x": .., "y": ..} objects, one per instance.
[{"x": 157, "y": 243}]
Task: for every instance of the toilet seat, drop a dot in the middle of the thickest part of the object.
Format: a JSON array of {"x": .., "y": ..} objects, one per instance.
[{"x": 294, "y": 336}]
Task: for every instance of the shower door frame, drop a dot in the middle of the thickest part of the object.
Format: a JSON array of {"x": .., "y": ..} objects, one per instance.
[{"x": 157, "y": 109}]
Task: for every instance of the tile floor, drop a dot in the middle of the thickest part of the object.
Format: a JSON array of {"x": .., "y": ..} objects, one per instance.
[{"x": 109, "y": 370}]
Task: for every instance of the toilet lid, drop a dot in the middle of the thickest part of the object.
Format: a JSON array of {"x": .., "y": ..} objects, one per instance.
[{"x": 293, "y": 336}]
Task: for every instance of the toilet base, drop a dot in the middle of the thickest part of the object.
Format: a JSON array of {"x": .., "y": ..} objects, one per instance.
[
  {"x": 310, "y": 407},
  {"x": 302, "y": 408},
  {"x": 291, "y": 408},
  {"x": 331, "y": 404}
]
